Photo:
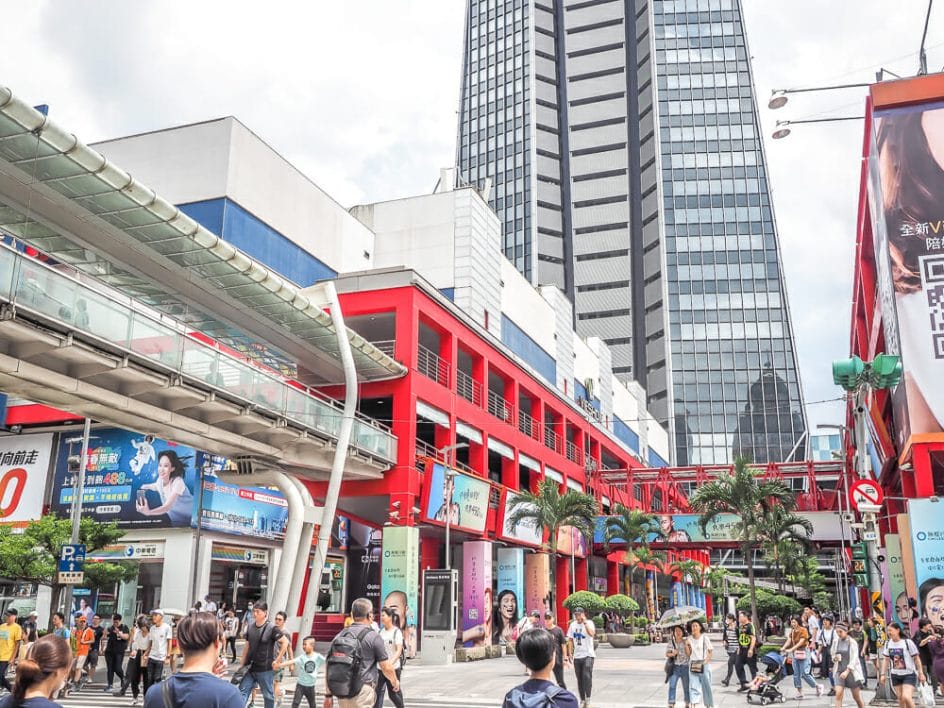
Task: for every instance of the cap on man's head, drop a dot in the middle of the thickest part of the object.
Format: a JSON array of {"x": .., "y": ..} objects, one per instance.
[
  {"x": 578, "y": 609},
  {"x": 535, "y": 613},
  {"x": 34, "y": 613},
  {"x": 157, "y": 611},
  {"x": 548, "y": 615}
]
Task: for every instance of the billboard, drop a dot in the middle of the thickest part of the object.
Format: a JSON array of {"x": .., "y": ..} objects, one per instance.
[
  {"x": 906, "y": 179},
  {"x": 899, "y": 607},
  {"x": 245, "y": 511},
  {"x": 510, "y": 588},
  {"x": 927, "y": 544},
  {"x": 468, "y": 507},
  {"x": 399, "y": 578},
  {"x": 137, "y": 480},
  {"x": 537, "y": 583},
  {"x": 524, "y": 532},
  {"x": 686, "y": 528},
  {"x": 476, "y": 620},
  {"x": 364, "y": 554},
  {"x": 570, "y": 541},
  {"x": 24, "y": 464}
]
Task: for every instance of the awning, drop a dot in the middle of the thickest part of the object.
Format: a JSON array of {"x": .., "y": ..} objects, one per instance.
[
  {"x": 66, "y": 200},
  {"x": 468, "y": 432},
  {"x": 551, "y": 473},
  {"x": 529, "y": 462},
  {"x": 501, "y": 448},
  {"x": 424, "y": 410},
  {"x": 575, "y": 485}
]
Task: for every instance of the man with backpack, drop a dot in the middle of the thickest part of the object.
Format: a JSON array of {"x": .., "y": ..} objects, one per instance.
[
  {"x": 260, "y": 655},
  {"x": 355, "y": 659},
  {"x": 537, "y": 650}
]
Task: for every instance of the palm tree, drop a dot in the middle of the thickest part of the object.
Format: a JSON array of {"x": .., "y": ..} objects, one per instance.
[
  {"x": 781, "y": 531},
  {"x": 715, "y": 579},
  {"x": 687, "y": 568},
  {"x": 645, "y": 556},
  {"x": 634, "y": 528},
  {"x": 550, "y": 510},
  {"x": 742, "y": 493}
]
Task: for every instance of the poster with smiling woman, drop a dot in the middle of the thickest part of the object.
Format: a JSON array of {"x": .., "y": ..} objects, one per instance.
[{"x": 927, "y": 541}]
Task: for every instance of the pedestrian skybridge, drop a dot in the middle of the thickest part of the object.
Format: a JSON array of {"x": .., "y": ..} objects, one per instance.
[{"x": 140, "y": 317}]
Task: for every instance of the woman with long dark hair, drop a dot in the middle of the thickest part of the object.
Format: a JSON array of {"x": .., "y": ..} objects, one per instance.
[
  {"x": 506, "y": 626},
  {"x": 41, "y": 674},
  {"x": 176, "y": 498},
  {"x": 392, "y": 636}
]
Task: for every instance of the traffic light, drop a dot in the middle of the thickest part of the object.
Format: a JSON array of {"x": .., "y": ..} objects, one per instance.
[
  {"x": 847, "y": 372},
  {"x": 885, "y": 371}
]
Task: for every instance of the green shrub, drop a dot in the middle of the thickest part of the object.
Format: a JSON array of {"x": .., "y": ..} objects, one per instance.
[
  {"x": 592, "y": 603},
  {"x": 623, "y": 605},
  {"x": 642, "y": 638}
]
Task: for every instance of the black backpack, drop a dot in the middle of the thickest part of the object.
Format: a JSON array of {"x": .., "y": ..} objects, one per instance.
[
  {"x": 344, "y": 663},
  {"x": 517, "y": 698}
]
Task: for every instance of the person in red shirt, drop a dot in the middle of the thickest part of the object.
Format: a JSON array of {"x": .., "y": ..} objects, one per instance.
[{"x": 83, "y": 638}]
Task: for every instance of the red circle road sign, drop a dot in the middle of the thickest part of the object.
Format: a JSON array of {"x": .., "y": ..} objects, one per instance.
[{"x": 865, "y": 491}]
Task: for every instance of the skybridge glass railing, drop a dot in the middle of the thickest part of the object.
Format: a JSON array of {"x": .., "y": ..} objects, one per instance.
[{"x": 73, "y": 305}]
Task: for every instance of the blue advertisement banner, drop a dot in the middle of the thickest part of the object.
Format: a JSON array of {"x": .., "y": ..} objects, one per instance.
[
  {"x": 244, "y": 511},
  {"x": 510, "y": 596},
  {"x": 468, "y": 506},
  {"x": 927, "y": 539},
  {"x": 134, "y": 479}
]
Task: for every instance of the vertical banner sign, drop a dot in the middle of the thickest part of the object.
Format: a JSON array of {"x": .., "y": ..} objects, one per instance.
[
  {"x": 651, "y": 607},
  {"x": 509, "y": 601},
  {"x": 907, "y": 554},
  {"x": 927, "y": 539},
  {"x": 894, "y": 575},
  {"x": 364, "y": 556},
  {"x": 476, "y": 624},
  {"x": 399, "y": 578},
  {"x": 537, "y": 583}
]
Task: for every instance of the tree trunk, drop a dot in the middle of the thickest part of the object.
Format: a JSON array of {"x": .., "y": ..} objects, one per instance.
[{"x": 749, "y": 559}]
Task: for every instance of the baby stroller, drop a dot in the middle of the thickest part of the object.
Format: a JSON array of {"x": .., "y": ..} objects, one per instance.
[{"x": 764, "y": 687}]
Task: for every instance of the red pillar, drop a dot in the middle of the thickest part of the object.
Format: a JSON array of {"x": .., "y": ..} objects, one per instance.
[
  {"x": 562, "y": 587},
  {"x": 581, "y": 571},
  {"x": 612, "y": 577}
]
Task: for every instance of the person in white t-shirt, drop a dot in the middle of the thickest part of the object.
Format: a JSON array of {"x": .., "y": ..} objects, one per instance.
[
  {"x": 900, "y": 658},
  {"x": 581, "y": 631},
  {"x": 157, "y": 653},
  {"x": 392, "y": 636}
]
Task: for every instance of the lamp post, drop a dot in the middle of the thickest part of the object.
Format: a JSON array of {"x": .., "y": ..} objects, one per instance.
[
  {"x": 783, "y": 131},
  {"x": 843, "y": 576},
  {"x": 449, "y": 483},
  {"x": 778, "y": 97}
]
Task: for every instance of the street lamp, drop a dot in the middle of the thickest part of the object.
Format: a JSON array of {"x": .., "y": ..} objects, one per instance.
[
  {"x": 450, "y": 483},
  {"x": 778, "y": 97},
  {"x": 783, "y": 131}
]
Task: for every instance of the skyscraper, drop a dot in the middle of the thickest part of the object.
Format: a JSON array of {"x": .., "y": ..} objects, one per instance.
[{"x": 622, "y": 144}]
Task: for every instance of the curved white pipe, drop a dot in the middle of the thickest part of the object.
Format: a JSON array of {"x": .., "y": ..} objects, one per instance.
[
  {"x": 337, "y": 466},
  {"x": 296, "y": 515},
  {"x": 301, "y": 557}
]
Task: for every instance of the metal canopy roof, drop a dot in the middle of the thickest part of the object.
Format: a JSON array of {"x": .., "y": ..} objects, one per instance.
[{"x": 70, "y": 202}]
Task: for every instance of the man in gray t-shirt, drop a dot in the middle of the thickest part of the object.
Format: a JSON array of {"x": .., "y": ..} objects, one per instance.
[{"x": 373, "y": 657}]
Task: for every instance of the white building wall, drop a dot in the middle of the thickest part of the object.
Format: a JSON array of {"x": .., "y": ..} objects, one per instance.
[
  {"x": 524, "y": 306},
  {"x": 478, "y": 260},
  {"x": 563, "y": 335}
]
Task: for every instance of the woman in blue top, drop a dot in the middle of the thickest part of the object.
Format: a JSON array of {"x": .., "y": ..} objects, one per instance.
[{"x": 41, "y": 674}]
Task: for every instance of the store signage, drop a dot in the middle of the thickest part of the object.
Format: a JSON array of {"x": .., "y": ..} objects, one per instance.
[
  {"x": 24, "y": 464},
  {"x": 134, "y": 479},
  {"x": 135, "y": 550},
  {"x": 686, "y": 528},
  {"x": 588, "y": 408},
  {"x": 476, "y": 623},
  {"x": 240, "y": 554},
  {"x": 927, "y": 543},
  {"x": 525, "y": 532},
  {"x": 399, "y": 577},
  {"x": 467, "y": 507}
]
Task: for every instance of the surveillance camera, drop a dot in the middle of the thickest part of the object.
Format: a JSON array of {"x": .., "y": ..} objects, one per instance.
[
  {"x": 880, "y": 558},
  {"x": 417, "y": 510},
  {"x": 16, "y": 429}
]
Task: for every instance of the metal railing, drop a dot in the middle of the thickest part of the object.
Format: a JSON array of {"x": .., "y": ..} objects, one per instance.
[
  {"x": 528, "y": 425},
  {"x": 432, "y": 366},
  {"x": 468, "y": 388},
  {"x": 552, "y": 440},
  {"x": 500, "y": 408},
  {"x": 573, "y": 454},
  {"x": 73, "y": 305}
]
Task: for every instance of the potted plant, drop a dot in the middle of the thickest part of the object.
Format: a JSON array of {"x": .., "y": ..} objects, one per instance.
[{"x": 625, "y": 608}]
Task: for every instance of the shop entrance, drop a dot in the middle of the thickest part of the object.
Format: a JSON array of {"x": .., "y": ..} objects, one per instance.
[{"x": 239, "y": 575}]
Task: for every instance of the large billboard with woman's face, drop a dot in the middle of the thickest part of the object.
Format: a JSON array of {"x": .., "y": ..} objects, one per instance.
[
  {"x": 906, "y": 195},
  {"x": 466, "y": 507},
  {"x": 927, "y": 544},
  {"x": 134, "y": 479}
]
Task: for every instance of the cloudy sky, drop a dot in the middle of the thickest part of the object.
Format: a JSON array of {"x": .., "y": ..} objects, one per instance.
[{"x": 362, "y": 95}]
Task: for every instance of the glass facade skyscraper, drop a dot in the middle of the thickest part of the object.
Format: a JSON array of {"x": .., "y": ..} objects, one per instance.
[{"x": 622, "y": 140}]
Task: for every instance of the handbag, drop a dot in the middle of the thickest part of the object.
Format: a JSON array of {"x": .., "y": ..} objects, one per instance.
[
  {"x": 669, "y": 666},
  {"x": 240, "y": 674},
  {"x": 799, "y": 654},
  {"x": 925, "y": 695},
  {"x": 696, "y": 667}
]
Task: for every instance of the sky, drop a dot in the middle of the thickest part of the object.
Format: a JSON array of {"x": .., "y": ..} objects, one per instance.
[{"x": 362, "y": 97}]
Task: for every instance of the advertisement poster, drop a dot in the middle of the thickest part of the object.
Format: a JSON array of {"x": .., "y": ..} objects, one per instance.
[
  {"x": 247, "y": 511},
  {"x": 906, "y": 176},
  {"x": 897, "y": 609},
  {"x": 399, "y": 578},
  {"x": 468, "y": 507},
  {"x": 686, "y": 528},
  {"x": 364, "y": 562},
  {"x": 927, "y": 540},
  {"x": 571, "y": 542},
  {"x": 476, "y": 619},
  {"x": 134, "y": 479},
  {"x": 537, "y": 583},
  {"x": 651, "y": 607},
  {"x": 24, "y": 464},
  {"x": 508, "y": 602},
  {"x": 524, "y": 532}
]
